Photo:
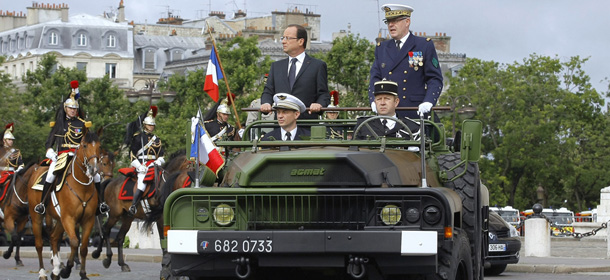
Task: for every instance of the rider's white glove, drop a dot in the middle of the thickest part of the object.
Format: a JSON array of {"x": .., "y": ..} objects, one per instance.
[
  {"x": 160, "y": 161},
  {"x": 141, "y": 169},
  {"x": 52, "y": 155},
  {"x": 373, "y": 107},
  {"x": 424, "y": 108}
]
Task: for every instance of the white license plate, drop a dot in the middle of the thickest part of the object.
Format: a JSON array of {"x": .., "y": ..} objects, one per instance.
[{"x": 497, "y": 247}]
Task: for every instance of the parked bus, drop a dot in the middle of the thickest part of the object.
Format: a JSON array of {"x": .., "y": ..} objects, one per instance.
[{"x": 561, "y": 220}]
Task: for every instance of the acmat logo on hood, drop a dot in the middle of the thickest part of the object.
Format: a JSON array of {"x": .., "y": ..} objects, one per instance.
[{"x": 307, "y": 172}]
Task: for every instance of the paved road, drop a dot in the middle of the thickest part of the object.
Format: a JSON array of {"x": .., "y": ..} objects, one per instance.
[{"x": 95, "y": 270}]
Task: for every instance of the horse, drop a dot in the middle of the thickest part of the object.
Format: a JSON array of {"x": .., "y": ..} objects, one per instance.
[
  {"x": 79, "y": 196},
  {"x": 107, "y": 163},
  {"x": 15, "y": 209},
  {"x": 119, "y": 209}
]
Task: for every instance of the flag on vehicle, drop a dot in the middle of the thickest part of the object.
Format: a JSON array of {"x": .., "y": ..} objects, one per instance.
[
  {"x": 202, "y": 146},
  {"x": 212, "y": 76}
]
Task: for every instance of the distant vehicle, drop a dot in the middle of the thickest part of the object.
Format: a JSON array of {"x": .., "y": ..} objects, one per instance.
[
  {"x": 561, "y": 220},
  {"x": 504, "y": 245},
  {"x": 586, "y": 216},
  {"x": 509, "y": 214}
]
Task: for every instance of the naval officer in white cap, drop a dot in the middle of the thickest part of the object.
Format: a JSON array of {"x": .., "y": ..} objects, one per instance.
[
  {"x": 408, "y": 60},
  {"x": 288, "y": 108}
]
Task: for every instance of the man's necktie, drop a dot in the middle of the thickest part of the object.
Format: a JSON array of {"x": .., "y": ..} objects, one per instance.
[
  {"x": 398, "y": 44},
  {"x": 292, "y": 72},
  {"x": 288, "y": 136},
  {"x": 385, "y": 126}
]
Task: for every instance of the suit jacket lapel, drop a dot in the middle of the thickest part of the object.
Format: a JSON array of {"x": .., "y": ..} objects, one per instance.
[
  {"x": 304, "y": 66},
  {"x": 283, "y": 72}
]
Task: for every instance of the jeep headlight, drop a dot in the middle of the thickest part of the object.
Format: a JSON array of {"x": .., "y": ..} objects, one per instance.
[
  {"x": 223, "y": 214},
  {"x": 390, "y": 215}
]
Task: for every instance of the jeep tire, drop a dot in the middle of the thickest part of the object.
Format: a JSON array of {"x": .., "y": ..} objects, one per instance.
[{"x": 468, "y": 187}]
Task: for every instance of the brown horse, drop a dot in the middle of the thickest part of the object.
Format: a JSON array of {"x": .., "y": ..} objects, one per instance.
[
  {"x": 119, "y": 209},
  {"x": 15, "y": 209},
  {"x": 107, "y": 163},
  {"x": 76, "y": 206}
]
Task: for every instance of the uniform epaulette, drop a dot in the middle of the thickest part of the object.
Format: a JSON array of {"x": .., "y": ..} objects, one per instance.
[
  {"x": 208, "y": 121},
  {"x": 428, "y": 39},
  {"x": 51, "y": 124},
  {"x": 378, "y": 43}
]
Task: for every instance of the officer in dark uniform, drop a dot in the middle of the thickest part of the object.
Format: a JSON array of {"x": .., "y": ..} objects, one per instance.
[
  {"x": 219, "y": 128},
  {"x": 408, "y": 60},
  {"x": 146, "y": 150},
  {"x": 11, "y": 161},
  {"x": 65, "y": 137},
  {"x": 386, "y": 101}
]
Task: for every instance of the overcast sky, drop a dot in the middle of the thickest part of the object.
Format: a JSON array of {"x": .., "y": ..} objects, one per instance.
[{"x": 500, "y": 30}]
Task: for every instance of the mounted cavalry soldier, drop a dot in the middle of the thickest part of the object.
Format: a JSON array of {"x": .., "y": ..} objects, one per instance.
[
  {"x": 146, "y": 151},
  {"x": 65, "y": 137},
  {"x": 10, "y": 160}
]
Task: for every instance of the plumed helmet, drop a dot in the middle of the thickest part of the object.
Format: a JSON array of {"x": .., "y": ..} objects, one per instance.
[
  {"x": 222, "y": 108},
  {"x": 150, "y": 116},
  {"x": 72, "y": 102},
  {"x": 8, "y": 132},
  {"x": 334, "y": 101}
]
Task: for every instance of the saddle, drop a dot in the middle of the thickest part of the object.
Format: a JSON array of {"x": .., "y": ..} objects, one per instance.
[
  {"x": 128, "y": 188},
  {"x": 5, "y": 182},
  {"x": 60, "y": 172}
]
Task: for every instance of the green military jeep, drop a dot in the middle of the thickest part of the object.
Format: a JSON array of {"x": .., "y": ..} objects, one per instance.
[{"x": 334, "y": 208}]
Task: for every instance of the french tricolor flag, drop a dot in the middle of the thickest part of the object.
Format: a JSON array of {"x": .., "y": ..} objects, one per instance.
[
  {"x": 203, "y": 148},
  {"x": 212, "y": 76}
]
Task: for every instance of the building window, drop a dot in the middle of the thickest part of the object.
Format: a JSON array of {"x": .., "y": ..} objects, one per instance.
[
  {"x": 111, "y": 70},
  {"x": 82, "y": 66},
  {"x": 53, "y": 38},
  {"x": 176, "y": 55},
  {"x": 22, "y": 69},
  {"x": 31, "y": 66},
  {"x": 149, "y": 59},
  {"x": 82, "y": 40},
  {"x": 111, "y": 41}
]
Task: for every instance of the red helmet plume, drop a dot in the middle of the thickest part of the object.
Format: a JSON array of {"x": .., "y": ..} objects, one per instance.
[{"x": 334, "y": 97}]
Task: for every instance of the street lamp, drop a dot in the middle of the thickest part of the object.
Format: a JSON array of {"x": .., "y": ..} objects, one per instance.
[
  {"x": 540, "y": 195},
  {"x": 462, "y": 112}
]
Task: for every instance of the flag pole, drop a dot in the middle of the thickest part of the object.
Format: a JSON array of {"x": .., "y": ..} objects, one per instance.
[
  {"x": 197, "y": 155},
  {"x": 230, "y": 96}
]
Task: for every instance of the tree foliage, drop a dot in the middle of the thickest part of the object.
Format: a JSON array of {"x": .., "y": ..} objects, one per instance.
[
  {"x": 349, "y": 64},
  {"x": 543, "y": 127}
]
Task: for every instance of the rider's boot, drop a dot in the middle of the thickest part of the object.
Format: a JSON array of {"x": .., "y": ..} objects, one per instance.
[
  {"x": 40, "y": 207},
  {"x": 134, "y": 205},
  {"x": 104, "y": 208}
]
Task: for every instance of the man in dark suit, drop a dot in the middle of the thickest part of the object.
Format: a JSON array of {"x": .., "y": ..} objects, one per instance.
[
  {"x": 288, "y": 108},
  {"x": 386, "y": 101},
  {"x": 408, "y": 60},
  {"x": 299, "y": 75}
]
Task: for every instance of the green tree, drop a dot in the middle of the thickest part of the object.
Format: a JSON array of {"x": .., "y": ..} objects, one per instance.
[
  {"x": 349, "y": 64},
  {"x": 244, "y": 68},
  {"x": 541, "y": 121}
]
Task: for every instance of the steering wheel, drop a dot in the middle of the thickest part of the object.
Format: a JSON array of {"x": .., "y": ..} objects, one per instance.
[{"x": 413, "y": 136}]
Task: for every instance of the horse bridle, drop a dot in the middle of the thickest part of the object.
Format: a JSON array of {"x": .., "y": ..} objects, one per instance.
[
  {"x": 87, "y": 166},
  {"x": 104, "y": 174}
]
